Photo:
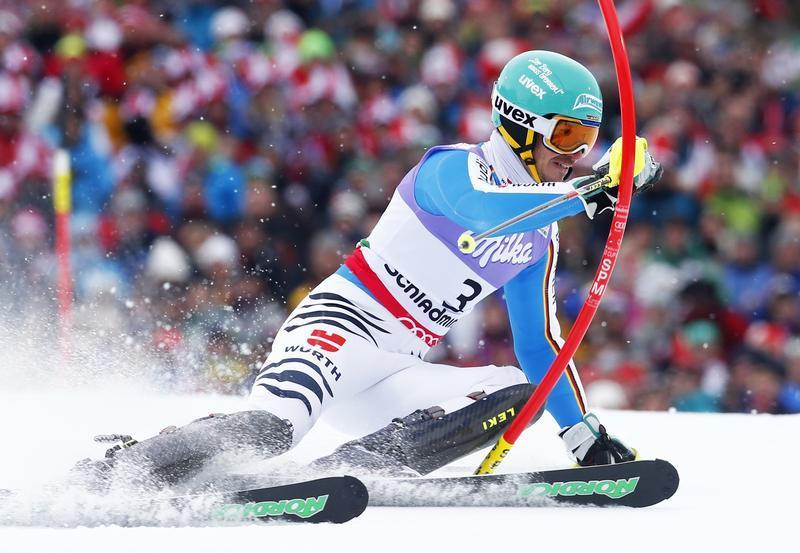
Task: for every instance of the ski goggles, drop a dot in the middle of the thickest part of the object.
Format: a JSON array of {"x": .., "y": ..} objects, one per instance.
[{"x": 561, "y": 134}]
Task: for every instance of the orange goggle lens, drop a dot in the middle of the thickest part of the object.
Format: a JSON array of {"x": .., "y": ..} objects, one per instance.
[{"x": 570, "y": 135}]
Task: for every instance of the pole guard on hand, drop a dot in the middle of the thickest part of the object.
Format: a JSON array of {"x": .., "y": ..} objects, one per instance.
[{"x": 607, "y": 262}]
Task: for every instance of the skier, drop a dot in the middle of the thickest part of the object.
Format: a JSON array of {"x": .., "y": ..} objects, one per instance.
[{"x": 354, "y": 348}]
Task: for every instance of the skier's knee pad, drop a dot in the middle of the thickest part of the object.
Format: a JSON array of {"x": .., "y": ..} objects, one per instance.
[{"x": 428, "y": 439}]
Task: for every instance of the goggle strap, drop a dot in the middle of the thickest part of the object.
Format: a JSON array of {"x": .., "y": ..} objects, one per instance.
[
  {"x": 509, "y": 139},
  {"x": 527, "y": 158},
  {"x": 534, "y": 172},
  {"x": 524, "y": 152},
  {"x": 503, "y": 106}
]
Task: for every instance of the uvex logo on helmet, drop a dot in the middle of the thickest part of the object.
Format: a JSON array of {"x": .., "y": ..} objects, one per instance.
[
  {"x": 510, "y": 111},
  {"x": 535, "y": 89}
]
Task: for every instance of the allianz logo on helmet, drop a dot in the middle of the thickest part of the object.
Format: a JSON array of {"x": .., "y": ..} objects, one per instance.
[{"x": 588, "y": 101}]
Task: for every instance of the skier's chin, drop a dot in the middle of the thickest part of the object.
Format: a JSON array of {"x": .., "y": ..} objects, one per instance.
[{"x": 556, "y": 172}]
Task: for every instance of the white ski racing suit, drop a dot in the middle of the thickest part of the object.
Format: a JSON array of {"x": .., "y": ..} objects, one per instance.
[{"x": 354, "y": 347}]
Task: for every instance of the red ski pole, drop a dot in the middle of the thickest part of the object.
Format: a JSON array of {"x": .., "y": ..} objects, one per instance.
[{"x": 607, "y": 262}]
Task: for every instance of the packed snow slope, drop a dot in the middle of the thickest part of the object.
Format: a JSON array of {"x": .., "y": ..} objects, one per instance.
[{"x": 737, "y": 484}]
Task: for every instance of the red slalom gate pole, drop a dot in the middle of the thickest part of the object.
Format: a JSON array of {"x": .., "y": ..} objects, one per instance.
[
  {"x": 607, "y": 262},
  {"x": 62, "y": 204}
]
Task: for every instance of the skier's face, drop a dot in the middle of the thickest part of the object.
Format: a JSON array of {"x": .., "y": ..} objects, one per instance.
[{"x": 553, "y": 167}]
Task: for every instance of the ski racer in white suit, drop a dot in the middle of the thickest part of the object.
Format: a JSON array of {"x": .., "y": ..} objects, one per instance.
[{"x": 356, "y": 344}]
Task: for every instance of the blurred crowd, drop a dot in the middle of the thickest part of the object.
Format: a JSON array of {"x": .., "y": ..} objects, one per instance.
[{"x": 226, "y": 156}]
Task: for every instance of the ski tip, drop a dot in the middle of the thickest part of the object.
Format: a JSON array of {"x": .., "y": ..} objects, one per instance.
[
  {"x": 671, "y": 477},
  {"x": 358, "y": 498}
]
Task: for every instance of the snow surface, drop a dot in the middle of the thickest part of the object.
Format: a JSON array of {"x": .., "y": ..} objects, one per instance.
[{"x": 737, "y": 474}]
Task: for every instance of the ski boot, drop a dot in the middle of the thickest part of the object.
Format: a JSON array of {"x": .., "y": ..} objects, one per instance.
[
  {"x": 589, "y": 443},
  {"x": 428, "y": 439},
  {"x": 177, "y": 454}
]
